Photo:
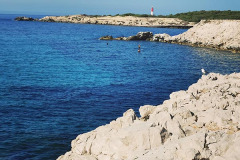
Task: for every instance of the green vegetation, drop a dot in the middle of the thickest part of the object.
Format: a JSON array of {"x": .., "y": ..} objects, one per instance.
[{"x": 195, "y": 16}]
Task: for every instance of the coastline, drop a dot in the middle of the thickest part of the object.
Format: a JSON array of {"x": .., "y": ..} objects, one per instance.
[
  {"x": 199, "y": 123},
  {"x": 217, "y": 34},
  {"x": 115, "y": 20},
  {"x": 163, "y": 132}
]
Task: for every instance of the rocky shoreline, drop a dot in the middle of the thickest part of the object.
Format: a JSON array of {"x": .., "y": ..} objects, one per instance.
[
  {"x": 217, "y": 34},
  {"x": 201, "y": 123},
  {"x": 115, "y": 20}
]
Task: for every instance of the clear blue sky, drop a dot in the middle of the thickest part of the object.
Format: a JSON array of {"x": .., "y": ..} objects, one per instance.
[{"x": 105, "y": 7}]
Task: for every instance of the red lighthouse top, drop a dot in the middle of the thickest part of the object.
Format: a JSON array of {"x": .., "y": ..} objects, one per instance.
[{"x": 152, "y": 9}]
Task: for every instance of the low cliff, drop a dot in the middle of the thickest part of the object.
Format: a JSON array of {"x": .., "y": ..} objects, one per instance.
[
  {"x": 219, "y": 34},
  {"x": 202, "y": 123},
  {"x": 119, "y": 20}
]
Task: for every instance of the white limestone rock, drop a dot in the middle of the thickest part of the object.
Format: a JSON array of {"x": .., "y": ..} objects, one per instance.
[
  {"x": 161, "y": 37},
  {"x": 219, "y": 34},
  {"x": 120, "y": 20},
  {"x": 200, "y": 123},
  {"x": 146, "y": 110}
]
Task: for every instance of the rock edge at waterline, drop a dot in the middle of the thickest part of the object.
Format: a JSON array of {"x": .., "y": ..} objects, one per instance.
[
  {"x": 25, "y": 19},
  {"x": 201, "y": 123},
  {"x": 217, "y": 34}
]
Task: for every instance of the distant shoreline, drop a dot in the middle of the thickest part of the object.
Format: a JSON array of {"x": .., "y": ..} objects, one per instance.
[
  {"x": 115, "y": 20},
  {"x": 179, "y": 20}
]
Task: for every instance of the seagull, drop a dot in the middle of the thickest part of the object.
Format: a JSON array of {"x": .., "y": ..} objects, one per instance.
[{"x": 203, "y": 71}]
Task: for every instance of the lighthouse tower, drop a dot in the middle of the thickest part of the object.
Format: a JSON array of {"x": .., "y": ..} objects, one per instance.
[{"x": 152, "y": 11}]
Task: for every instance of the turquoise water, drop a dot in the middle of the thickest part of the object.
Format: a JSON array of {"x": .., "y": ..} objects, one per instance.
[{"x": 58, "y": 80}]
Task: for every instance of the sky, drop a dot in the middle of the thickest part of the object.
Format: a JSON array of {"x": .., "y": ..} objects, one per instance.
[{"x": 112, "y": 7}]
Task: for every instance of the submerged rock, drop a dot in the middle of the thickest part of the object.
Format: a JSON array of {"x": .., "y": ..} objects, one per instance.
[{"x": 202, "y": 122}]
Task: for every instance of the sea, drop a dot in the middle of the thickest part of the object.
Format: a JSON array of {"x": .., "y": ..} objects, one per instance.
[{"x": 58, "y": 80}]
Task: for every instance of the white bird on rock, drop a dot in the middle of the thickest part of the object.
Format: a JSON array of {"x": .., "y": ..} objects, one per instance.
[{"x": 203, "y": 71}]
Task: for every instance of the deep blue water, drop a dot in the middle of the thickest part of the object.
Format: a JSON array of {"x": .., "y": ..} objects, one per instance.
[{"x": 58, "y": 80}]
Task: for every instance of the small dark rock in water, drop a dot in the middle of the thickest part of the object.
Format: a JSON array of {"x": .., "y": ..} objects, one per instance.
[
  {"x": 24, "y": 19},
  {"x": 106, "y": 38}
]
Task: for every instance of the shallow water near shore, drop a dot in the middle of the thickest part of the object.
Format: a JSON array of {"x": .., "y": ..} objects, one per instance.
[{"x": 58, "y": 80}]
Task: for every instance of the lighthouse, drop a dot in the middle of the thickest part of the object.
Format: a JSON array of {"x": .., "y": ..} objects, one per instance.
[{"x": 152, "y": 11}]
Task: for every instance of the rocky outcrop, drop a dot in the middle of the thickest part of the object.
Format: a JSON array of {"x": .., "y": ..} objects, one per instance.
[
  {"x": 120, "y": 20},
  {"x": 25, "y": 19},
  {"x": 141, "y": 36},
  {"x": 218, "y": 34},
  {"x": 202, "y": 123},
  {"x": 144, "y": 35}
]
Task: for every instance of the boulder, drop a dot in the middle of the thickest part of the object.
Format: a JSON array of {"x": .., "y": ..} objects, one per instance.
[
  {"x": 144, "y": 35},
  {"x": 146, "y": 110}
]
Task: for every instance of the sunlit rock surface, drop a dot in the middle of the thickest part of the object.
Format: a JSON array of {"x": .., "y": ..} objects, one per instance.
[
  {"x": 219, "y": 34},
  {"x": 121, "y": 20},
  {"x": 201, "y": 123}
]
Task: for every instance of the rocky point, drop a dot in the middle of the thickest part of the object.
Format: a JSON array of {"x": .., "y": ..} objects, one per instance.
[{"x": 201, "y": 123}]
